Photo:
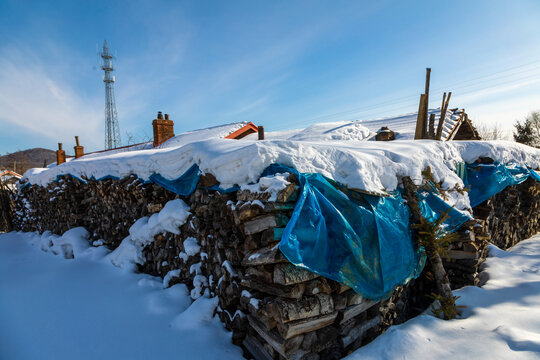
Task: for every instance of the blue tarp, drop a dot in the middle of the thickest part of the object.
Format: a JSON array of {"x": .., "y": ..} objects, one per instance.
[
  {"x": 432, "y": 206},
  {"x": 184, "y": 185},
  {"x": 486, "y": 180},
  {"x": 361, "y": 241}
]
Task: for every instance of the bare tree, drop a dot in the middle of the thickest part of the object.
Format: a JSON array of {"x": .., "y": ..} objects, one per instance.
[{"x": 492, "y": 132}]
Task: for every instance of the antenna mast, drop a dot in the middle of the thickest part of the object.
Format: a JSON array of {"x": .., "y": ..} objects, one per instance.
[{"x": 112, "y": 130}]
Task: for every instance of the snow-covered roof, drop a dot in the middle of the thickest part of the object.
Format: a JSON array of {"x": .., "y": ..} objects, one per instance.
[
  {"x": 404, "y": 127},
  {"x": 339, "y": 150},
  {"x": 6, "y": 174},
  {"x": 215, "y": 132}
]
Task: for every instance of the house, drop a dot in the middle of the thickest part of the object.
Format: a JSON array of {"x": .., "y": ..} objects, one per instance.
[{"x": 9, "y": 178}]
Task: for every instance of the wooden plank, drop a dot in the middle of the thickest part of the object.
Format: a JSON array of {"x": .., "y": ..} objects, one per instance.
[
  {"x": 459, "y": 255},
  {"x": 265, "y": 222},
  {"x": 308, "y": 307},
  {"x": 290, "y": 274},
  {"x": 441, "y": 120},
  {"x": 264, "y": 256},
  {"x": 298, "y": 327},
  {"x": 290, "y": 193},
  {"x": 282, "y": 346},
  {"x": 256, "y": 349},
  {"x": 360, "y": 330},
  {"x": 420, "y": 121},
  {"x": 277, "y": 206},
  {"x": 290, "y": 292},
  {"x": 259, "y": 224},
  {"x": 355, "y": 310}
]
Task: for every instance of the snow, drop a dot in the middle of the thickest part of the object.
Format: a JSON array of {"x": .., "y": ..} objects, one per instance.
[
  {"x": 404, "y": 127},
  {"x": 501, "y": 320},
  {"x": 142, "y": 232},
  {"x": 215, "y": 132},
  {"x": 365, "y": 165},
  {"x": 171, "y": 274},
  {"x": 85, "y": 308},
  {"x": 191, "y": 247},
  {"x": 342, "y": 130},
  {"x": 339, "y": 150},
  {"x": 269, "y": 184}
]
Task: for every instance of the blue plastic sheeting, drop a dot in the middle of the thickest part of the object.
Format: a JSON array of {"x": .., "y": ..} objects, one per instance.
[
  {"x": 187, "y": 182},
  {"x": 432, "y": 207},
  {"x": 534, "y": 175},
  {"x": 184, "y": 185},
  {"x": 361, "y": 241},
  {"x": 486, "y": 180}
]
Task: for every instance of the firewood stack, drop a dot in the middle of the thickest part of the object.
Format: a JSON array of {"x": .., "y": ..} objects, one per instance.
[
  {"x": 6, "y": 207},
  {"x": 228, "y": 248},
  {"x": 512, "y": 215},
  {"x": 466, "y": 254},
  {"x": 107, "y": 208},
  {"x": 274, "y": 309}
]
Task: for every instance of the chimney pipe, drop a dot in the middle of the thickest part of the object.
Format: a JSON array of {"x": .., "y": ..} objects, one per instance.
[
  {"x": 260, "y": 131},
  {"x": 159, "y": 115},
  {"x": 79, "y": 150}
]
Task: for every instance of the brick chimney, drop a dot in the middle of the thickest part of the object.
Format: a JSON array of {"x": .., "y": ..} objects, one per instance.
[
  {"x": 79, "y": 150},
  {"x": 163, "y": 129},
  {"x": 60, "y": 155}
]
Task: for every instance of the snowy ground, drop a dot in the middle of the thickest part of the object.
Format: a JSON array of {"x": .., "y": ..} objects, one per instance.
[
  {"x": 86, "y": 308},
  {"x": 501, "y": 321}
]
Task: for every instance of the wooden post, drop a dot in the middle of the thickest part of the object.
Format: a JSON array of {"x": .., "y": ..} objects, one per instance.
[
  {"x": 428, "y": 78},
  {"x": 260, "y": 131},
  {"x": 432, "y": 126},
  {"x": 421, "y": 119},
  {"x": 447, "y": 101},
  {"x": 441, "y": 119}
]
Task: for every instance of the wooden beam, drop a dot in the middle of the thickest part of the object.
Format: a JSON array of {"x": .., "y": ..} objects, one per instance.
[
  {"x": 441, "y": 119},
  {"x": 421, "y": 119},
  {"x": 431, "y": 126},
  {"x": 426, "y": 106}
]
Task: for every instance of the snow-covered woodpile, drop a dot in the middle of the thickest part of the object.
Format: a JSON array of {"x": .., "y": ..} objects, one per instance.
[
  {"x": 107, "y": 208},
  {"x": 6, "y": 207},
  {"x": 228, "y": 248},
  {"x": 512, "y": 215}
]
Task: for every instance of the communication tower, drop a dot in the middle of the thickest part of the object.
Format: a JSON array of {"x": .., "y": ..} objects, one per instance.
[{"x": 112, "y": 130}]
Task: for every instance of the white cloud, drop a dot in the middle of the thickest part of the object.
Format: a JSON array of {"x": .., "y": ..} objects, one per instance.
[{"x": 44, "y": 104}]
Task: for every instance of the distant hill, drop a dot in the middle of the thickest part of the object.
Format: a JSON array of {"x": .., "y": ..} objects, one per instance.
[{"x": 23, "y": 160}]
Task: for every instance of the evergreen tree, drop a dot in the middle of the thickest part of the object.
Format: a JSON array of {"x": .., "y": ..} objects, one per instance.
[{"x": 528, "y": 131}]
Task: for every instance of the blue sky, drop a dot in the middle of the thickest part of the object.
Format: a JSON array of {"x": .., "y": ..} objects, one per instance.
[{"x": 281, "y": 64}]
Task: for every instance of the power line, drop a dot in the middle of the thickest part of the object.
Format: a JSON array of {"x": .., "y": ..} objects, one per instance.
[{"x": 486, "y": 78}]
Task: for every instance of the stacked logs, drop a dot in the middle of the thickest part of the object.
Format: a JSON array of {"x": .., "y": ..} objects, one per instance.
[
  {"x": 6, "y": 207},
  {"x": 466, "y": 254},
  {"x": 511, "y": 215},
  {"x": 107, "y": 208},
  {"x": 274, "y": 309},
  {"x": 229, "y": 248}
]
